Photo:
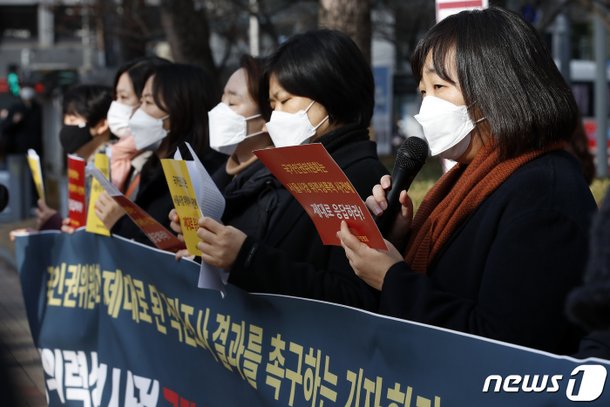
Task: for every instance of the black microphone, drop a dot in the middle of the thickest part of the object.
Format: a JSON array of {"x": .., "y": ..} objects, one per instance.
[
  {"x": 3, "y": 197},
  {"x": 410, "y": 157}
]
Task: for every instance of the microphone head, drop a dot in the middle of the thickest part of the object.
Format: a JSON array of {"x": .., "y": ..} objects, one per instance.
[{"x": 411, "y": 154}]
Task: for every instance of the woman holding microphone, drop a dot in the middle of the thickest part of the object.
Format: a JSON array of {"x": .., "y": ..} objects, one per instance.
[{"x": 501, "y": 238}]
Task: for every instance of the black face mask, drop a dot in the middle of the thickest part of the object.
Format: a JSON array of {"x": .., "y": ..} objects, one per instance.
[{"x": 73, "y": 137}]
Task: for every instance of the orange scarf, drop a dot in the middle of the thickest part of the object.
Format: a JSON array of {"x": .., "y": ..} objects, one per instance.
[{"x": 455, "y": 196}]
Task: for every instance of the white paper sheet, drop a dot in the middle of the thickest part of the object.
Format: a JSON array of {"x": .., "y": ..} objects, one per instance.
[{"x": 212, "y": 205}]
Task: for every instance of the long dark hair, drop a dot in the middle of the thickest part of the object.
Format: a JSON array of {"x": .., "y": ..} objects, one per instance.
[
  {"x": 253, "y": 68},
  {"x": 186, "y": 93},
  {"x": 505, "y": 70}
]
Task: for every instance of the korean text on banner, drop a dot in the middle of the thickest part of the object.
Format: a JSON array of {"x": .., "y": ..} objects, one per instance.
[
  {"x": 185, "y": 202},
  {"x": 76, "y": 191},
  {"x": 146, "y": 336},
  {"x": 36, "y": 170},
  {"x": 161, "y": 237},
  {"x": 323, "y": 190},
  {"x": 94, "y": 224}
]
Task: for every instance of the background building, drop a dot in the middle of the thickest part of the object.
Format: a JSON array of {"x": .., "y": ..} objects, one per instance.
[{"x": 56, "y": 43}]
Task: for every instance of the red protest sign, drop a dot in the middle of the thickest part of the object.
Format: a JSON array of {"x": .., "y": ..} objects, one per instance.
[
  {"x": 161, "y": 237},
  {"x": 323, "y": 190},
  {"x": 76, "y": 191}
]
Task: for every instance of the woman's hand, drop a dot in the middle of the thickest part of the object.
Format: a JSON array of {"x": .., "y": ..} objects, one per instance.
[
  {"x": 370, "y": 265},
  {"x": 13, "y": 234},
  {"x": 43, "y": 213},
  {"x": 219, "y": 244},
  {"x": 107, "y": 210},
  {"x": 377, "y": 203},
  {"x": 174, "y": 224},
  {"x": 66, "y": 227},
  {"x": 184, "y": 254}
]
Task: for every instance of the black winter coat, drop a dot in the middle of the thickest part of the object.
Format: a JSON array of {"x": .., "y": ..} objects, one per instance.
[
  {"x": 289, "y": 257},
  {"x": 505, "y": 272},
  {"x": 589, "y": 305},
  {"x": 252, "y": 199}
]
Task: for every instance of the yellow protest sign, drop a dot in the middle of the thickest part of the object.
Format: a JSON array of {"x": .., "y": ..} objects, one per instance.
[
  {"x": 94, "y": 224},
  {"x": 36, "y": 170},
  {"x": 185, "y": 202}
]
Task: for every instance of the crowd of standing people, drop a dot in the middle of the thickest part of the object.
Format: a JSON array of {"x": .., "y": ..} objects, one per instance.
[{"x": 496, "y": 248}]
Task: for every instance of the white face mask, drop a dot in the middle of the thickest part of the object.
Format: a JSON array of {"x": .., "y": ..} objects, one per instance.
[
  {"x": 446, "y": 127},
  {"x": 228, "y": 128},
  {"x": 291, "y": 129},
  {"x": 147, "y": 131},
  {"x": 118, "y": 119}
]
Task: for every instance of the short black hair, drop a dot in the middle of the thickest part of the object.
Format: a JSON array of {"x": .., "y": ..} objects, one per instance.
[
  {"x": 328, "y": 67},
  {"x": 89, "y": 101},
  {"x": 506, "y": 71},
  {"x": 138, "y": 70}
]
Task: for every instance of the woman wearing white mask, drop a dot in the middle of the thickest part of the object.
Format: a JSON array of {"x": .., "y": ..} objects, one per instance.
[
  {"x": 173, "y": 109},
  {"x": 126, "y": 160},
  {"x": 236, "y": 128},
  {"x": 320, "y": 89},
  {"x": 502, "y": 237},
  {"x": 236, "y": 123}
]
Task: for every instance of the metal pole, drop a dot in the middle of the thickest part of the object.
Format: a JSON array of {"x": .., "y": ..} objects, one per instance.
[
  {"x": 561, "y": 45},
  {"x": 20, "y": 187},
  {"x": 601, "y": 94},
  {"x": 86, "y": 41},
  {"x": 46, "y": 34},
  {"x": 254, "y": 29},
  {"x": 564, "y": 50}
]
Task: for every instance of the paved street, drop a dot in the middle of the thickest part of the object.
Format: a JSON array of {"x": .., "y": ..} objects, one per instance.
[{"x": 22, "y": 359}]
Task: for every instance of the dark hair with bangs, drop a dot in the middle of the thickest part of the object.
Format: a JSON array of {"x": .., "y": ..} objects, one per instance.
[
  {"x": 507, "y": 72},
  {"x": 186, "y": 93},
  {"x": 138, "y": 71},
  {"x": 89, "y": 101},
  {"x": 328, "y": 67}
]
